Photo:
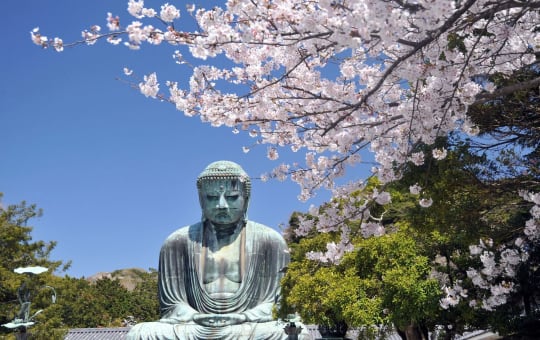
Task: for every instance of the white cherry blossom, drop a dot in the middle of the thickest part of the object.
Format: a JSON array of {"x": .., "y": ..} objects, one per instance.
[
  {"x": 135, "y": 8},
  {"x": 272, "y": 153},
  {"x": 398, "y": 84},
  {"x": 417, "y": 158},
  {"x": 150, "y": 86},
  {"x": 439, "y": 153},
  {"x": 426, "y": 202},
  {"x": 113, "y": 23},
  {"x": 372, "y": 229},
  {"x": 415, "y": 189},
  {"x": 58, "y": 44},
  {"x": 169, "y": 13},
  {"x": 383, "y": 198},
  {"x": 38, "y": 39}
]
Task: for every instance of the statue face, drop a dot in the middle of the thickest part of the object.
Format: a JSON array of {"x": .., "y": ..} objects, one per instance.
[{"x": 223, "y": 201}]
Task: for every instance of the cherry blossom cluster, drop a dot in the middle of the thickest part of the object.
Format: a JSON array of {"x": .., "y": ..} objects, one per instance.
[
  {"x": 336, "y": 215},
  {"x": 332, "y": 78},
  {"x": 532, "y": 226},
  {"x": 406, "y": 71},
  {"x": 498, "y": 271},
  {"x": 453, "y": 295},
  {"x": 334, "y": 253},
  {"x": 493, "y": 281}
]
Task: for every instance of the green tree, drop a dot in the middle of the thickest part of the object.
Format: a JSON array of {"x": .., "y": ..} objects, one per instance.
[
  {"x": 466, "y": 208},
  {"x": 18, "y": 249},
  {"x": 424, "y": 250},
  {"x": 145, "y": 304},
  {"x": 385, "y": 281},
  {"x": 474, "y": 201},
  {"x": 105, "y": 303},
  {"x": 508, "y": 122},
  {"x": 79, "y": 303},
  {"x": 114, "y": 299}
]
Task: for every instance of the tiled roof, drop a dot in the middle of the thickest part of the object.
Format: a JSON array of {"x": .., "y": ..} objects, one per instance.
[{"x": 118, "y": 333}]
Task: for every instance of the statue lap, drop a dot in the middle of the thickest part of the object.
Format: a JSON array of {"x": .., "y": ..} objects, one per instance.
[
  {"x": 184, "y": 246},
  {"x": 190, "y": 331}
]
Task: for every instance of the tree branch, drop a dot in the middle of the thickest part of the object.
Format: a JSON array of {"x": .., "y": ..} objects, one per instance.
[{"x": 485, "y": 97}]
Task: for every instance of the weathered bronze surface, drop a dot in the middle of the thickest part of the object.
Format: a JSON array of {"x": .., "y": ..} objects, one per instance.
[{"x": 219, "y": 278}]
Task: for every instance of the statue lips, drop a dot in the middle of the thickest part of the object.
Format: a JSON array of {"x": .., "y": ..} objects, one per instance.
[
  {"x": 226, "y": 213},
  {"x": 222, "y": 218}
]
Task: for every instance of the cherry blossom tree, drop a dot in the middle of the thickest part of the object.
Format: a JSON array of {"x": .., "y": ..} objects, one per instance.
[{"x": 332, "y": 78}]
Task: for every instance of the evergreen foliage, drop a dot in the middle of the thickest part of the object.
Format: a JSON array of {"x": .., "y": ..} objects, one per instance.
[
  {"x": 396, "y": 279},
  {"x": 79, "y": 303}
]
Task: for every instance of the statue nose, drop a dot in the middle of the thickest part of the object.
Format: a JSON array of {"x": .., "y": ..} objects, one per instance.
[{"x": 222, "y": 202}]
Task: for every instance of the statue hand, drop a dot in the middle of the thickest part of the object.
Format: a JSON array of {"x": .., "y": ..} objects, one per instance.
[
  {"x": 219, "y": 320},
  {"x": 179, "y": 314}
]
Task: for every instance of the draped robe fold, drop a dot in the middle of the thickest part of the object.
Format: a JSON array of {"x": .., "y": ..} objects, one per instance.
[{"x": 182, "y": 293}]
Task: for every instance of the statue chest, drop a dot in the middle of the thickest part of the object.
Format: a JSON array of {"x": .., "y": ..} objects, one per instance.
[{"x": 221, "y": 268}]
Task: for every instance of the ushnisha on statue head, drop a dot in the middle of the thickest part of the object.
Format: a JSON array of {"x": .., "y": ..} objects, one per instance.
[{"x": 224, "y": 192}]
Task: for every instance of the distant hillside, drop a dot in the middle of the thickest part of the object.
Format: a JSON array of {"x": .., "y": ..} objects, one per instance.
[{"x": 127, "y": 277}]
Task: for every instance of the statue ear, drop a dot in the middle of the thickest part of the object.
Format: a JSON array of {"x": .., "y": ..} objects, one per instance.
[
  {"x": 201, "y": 198},
  {"x": 246, "y": 206}
]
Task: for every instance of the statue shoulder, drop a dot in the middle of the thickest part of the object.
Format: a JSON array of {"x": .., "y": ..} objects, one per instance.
[
  {"x": 183, "y": 233},
  {"x": 268, "y": 232}
]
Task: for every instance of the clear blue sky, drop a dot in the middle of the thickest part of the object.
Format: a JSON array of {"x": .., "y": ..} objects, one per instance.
[{"x": 113, "y": 171}]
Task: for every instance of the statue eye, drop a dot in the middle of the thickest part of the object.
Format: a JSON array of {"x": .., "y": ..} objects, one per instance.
[
  {"x": 232, "y": 197},
  {"x": 211, "y": 197}
]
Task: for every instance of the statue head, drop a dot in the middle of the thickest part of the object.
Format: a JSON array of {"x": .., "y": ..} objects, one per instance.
[{"x": 224, "y": 191}]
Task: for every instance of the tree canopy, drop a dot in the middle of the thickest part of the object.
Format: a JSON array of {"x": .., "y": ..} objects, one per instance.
[
  {"x": 78, "y": 302},
  {"x": 461, "y": 265},
  {"x": 17, "y": 250},
  {"x": 335, "y": 77}
]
